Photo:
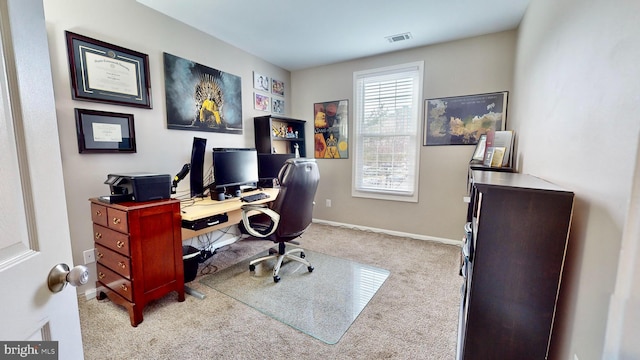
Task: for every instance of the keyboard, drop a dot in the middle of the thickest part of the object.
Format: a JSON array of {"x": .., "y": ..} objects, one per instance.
[{"x": 254, "y": 197}]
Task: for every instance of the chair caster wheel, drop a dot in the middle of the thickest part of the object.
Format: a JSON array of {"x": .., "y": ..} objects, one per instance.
[
  {"x": 276, "y": 279},
  {"x": 252, "y": 268},
  {"x": 272, "y": 251},
  {"x": 310, "y": 268},
  {"x": 302, "y": 255}
]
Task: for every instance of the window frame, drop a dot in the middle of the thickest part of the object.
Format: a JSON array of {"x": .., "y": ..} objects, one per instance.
[{"x": 356, "y": 190}]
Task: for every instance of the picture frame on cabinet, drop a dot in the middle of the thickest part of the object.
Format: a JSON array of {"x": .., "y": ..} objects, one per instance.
[
  {"x": 478, "y": 153},
  {"x": 107, "y": 73},
  {"x": 104, "y": 132}
]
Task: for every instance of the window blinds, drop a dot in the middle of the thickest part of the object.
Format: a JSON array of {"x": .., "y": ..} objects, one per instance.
[{"x": 387, "y": 108}]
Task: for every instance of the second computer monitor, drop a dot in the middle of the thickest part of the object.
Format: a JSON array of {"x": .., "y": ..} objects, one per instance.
[
  {"x": 234, "y": 169},
  {"x": 196, "y": 175},
  {"x": 269, "y": 166}
]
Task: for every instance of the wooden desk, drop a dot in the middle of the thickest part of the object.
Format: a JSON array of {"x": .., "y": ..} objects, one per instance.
[{"x": 203, "y": 208}]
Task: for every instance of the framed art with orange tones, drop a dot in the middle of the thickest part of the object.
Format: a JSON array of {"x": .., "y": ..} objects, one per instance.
[{"x": 331, "y": 129}]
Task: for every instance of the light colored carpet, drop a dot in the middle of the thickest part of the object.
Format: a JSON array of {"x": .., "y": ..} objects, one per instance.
[
  {"x": 322, "y": 303},
  {"x": 412, "y": 316}
]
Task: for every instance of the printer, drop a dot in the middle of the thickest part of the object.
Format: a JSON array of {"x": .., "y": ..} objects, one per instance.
[{"x": 137, "y": 187}]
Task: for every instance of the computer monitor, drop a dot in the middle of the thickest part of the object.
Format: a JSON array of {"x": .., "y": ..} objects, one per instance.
[
  {"x": 234, "y": 169},
  {"x": 196, "y": 166},
  {"x": 269, "y": 165}
]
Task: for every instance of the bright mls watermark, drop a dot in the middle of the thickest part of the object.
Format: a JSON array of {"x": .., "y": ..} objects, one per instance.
[{"x": 41, "y": 350}]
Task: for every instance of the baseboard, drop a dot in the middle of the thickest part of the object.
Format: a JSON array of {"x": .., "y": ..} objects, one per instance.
[
  {"x": 90, "y": 294},
  {"x": 390, "y": 232}
]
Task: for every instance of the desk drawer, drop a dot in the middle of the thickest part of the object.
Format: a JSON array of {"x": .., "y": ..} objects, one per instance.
[
  {"x": 117, "y": 220},
  {"x": 114, "y": 261},
  {"x": 115, "y": 282},
  {"x": 99, "y": 214},
  {"x": 111, "y": 239}
]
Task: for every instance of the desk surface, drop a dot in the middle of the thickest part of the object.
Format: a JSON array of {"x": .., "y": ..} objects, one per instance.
[{"x": 202, "y": 208}]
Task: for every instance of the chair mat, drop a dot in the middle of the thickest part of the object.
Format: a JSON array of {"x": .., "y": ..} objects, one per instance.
[{"x": 323, "y": 303}]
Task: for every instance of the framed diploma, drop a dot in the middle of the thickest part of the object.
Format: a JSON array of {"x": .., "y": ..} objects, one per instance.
[
  {"x": 104, "y": 132},
  {"x": 106, "y": 73}
]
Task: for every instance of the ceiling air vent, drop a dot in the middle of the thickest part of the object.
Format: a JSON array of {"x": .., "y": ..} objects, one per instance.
[{"x": 399, "y": 37}]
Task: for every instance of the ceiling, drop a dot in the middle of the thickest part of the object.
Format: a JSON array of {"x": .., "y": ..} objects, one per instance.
[{"x": 299, "y": 34}]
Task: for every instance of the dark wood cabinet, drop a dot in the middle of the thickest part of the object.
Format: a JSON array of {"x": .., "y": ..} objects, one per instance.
[
  {"x": 279, "y": 135},
  {"x": 512, "y": 257},
  {"x": 138, "y": 252}
]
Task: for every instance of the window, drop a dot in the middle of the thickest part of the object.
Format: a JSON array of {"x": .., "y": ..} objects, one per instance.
[{"x": 386, "y": 126}]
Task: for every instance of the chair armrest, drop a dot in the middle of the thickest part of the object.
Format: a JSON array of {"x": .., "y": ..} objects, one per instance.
[{"x": 260, "y": 208}]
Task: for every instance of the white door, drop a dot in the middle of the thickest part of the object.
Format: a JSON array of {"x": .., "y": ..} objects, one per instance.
[{"x": 34, "y": 228}]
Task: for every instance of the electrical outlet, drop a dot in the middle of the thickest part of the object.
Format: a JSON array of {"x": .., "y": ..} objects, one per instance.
[
  {"x": 328, "y": 203},
  {"x": 89, "y": 256}
]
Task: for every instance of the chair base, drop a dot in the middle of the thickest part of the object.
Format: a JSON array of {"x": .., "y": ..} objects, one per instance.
[{"x": 281, "y": 256}]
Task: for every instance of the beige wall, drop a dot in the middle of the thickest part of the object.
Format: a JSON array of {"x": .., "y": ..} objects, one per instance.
[
  {"x": 471, "y": 66},
  {"x": 131, "y": 25},
  {"x": 575, "y": 109},
  {"x": 477, "y": 65}
]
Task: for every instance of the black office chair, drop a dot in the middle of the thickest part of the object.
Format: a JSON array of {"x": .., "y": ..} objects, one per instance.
[{"x": 288, "y": 216}]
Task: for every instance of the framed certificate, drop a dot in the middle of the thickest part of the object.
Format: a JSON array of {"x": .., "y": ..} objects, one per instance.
[
  {"x": 106, "y": 73},
  {"x": 104, "y": 132}
]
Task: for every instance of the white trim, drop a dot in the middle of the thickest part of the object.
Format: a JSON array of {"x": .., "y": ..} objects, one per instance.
[
  {"x": 415, "y": 66},
  {"x": 90, "y": 293},
  {"x": 390, "y": 232}
]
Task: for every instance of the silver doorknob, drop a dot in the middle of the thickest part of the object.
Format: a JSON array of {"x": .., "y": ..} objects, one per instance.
[{"x": 60, "y": 276}]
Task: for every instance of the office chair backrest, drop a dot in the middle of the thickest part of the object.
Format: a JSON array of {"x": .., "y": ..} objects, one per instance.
[{"x": 298, "y": 184}]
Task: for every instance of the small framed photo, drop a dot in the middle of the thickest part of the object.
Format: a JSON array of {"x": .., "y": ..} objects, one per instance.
[
  {"x": 478, "y": 153},
  {"x": 261, "y": 102},
  {"x": 277, "y": 106},
  {"x": 104, "y": 132},
  {"x": 261, "y": 82},
  {"x": 277, "y": 87},
  {"x": 107, "y": 73}
]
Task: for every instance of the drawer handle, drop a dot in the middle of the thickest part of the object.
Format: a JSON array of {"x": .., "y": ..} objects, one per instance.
[
  {"x": 98, "y": 213},
  {"x": 116, "y": 221},
  {"x": 124, "y": 287},
  {"x": 98, "y": 236},
  {"x": 122, "y": 264},
  {"x": 120, "y": 244},
  {"x": 101, "y": 275},
  {"x": 99, "y": 255}
]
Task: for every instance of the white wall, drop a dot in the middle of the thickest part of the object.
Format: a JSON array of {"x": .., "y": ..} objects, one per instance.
[
  {"x": 575, "y": 107},
  {"x": 470, "y": 66},
  {"x": 130, "y": 25}
]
